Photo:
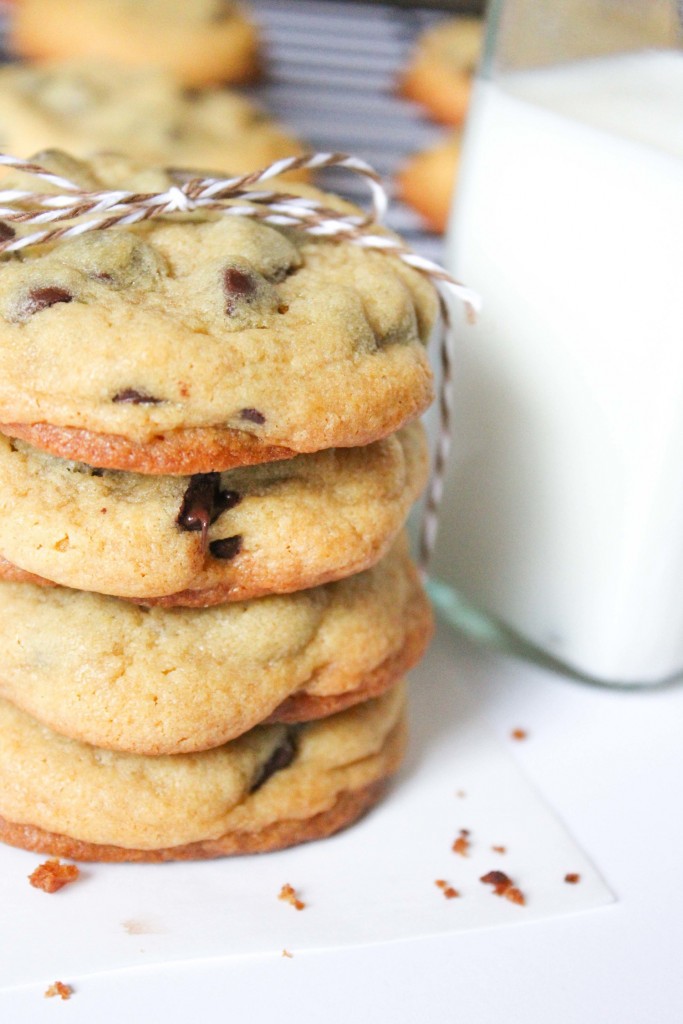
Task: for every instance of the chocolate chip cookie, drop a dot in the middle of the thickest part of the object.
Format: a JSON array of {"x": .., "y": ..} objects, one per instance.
[
  {"x": 199, "y": 42},
  {"x": 179, "y": 680},
  {"x": 201, "y": 540},
  {"x": 442, "y": 66},
  {"x": 427, "y": 180},
  {"x": 87, "y": 106},
  {"x": 271, "y": 788},
  {"x": 200, "y": 342}
]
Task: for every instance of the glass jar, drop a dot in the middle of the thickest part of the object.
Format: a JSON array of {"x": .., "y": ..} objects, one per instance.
[{"x": 563, "y": 512}]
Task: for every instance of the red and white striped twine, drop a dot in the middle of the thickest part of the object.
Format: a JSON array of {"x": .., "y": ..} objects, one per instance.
[{"x": 72, "y": 211}]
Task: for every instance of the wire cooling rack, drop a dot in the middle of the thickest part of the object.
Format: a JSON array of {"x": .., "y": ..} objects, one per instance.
[
  {"x": 331, "y": 75},
  {"x": 332, "y": 71}
]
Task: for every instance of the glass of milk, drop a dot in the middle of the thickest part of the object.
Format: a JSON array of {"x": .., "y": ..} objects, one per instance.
[{"x": 563, "y": 513}]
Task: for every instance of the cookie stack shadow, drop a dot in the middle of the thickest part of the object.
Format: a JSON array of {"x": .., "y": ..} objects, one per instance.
[{"x": 207, "y": 604}]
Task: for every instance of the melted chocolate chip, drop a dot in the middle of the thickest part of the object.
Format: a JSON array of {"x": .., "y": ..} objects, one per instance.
[
  {"x": 252, "y": 415},
  {"x": 197, "y": 507},
  {"x": 96, "y": 472},
  {"x": 133, "y": 397},
  {"x": 41, "y": 298},
  {"x": 282, "y": 757},
  {"x": 6, "y": 231},
  {"x": 203, "y": 502},
  {"x": 226, "y": 548},
  {"x": 237, "y": 285}
]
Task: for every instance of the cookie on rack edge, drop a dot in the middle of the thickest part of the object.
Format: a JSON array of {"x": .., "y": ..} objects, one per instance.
[
  {"x": 442, "y": 66},
  {"x": 427, "y": 181}
]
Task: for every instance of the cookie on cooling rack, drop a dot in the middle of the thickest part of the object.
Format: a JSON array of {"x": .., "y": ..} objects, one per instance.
[
  {"x": 199, "y": 42},
  {"x": 85, "y": 106},
  {"x": 427, "y": 181},
  {"x": 442, "y": 66},
  {"x": 274, "y": 787},
  {"x": 201, "y": 342}
]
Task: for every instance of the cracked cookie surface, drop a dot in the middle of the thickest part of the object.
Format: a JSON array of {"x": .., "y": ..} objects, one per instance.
[
  {"x": 176, "y": 680},
  {"x": 196, "y": 541},
  {"x": 270, "y": 788},
  {"x": 202, "y": 342}
]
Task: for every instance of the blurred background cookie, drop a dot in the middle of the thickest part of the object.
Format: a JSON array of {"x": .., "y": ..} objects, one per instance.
[
  {"x": 199, "y": 42},
  {"x": 441, "y": 70},
  {"x": 427, "y": 182},
  {"x": 85, "y": 106}
]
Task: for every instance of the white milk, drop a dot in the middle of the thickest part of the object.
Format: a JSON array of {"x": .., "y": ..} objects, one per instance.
[{"x": 563, "y": 516}]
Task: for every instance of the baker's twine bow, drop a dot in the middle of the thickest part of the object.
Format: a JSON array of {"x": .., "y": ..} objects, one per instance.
[{"x": 84, "y": 211}]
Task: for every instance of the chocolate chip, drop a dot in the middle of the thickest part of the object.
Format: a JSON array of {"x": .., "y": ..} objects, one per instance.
[
  {"x": 41, "y": 298},
  {"x": 280, "y": 273},
  {"x": 252, "y": 415},
  {"x": 198, "y": 501},
  {"x": 6, "y": 231},
  {"x": 133, "y": 397},
  {"x": 203, "y": 502},
  {"x": 226, "y": 548},
  {"x": 237, "y": 285},
  {"x": 223, "y": 500},
  {"x": 282, "y": 757}
]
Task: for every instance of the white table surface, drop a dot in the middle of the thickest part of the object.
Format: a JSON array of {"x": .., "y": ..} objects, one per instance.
[{"x": 611, "y": 765}]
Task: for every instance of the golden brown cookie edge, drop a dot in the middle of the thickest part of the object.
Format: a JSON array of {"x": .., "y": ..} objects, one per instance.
[{"x": 348, "y": 807}]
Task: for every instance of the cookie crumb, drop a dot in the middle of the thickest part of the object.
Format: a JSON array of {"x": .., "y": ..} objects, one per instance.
[
  {"x": 285, "y": 952},
  {"x": 59, "y": 989},
  {"x": 519, "y": 734},
  {"x": 499, "y": 849},
  {"x": 515, "y": 895},
  {"x": 449, "y": 892},
  {"x": 504, "y": 886},
  {"x": 289, "y": 895},
  {"x": 572, "y": 878},
  {"x": 462, "y": 844},
  {"x": 52, "y": 875},
  {"x": 461, "y": 793}
]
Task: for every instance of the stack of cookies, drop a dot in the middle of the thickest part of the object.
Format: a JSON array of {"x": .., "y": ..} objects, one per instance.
[{"x": 208, "y": 453}]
